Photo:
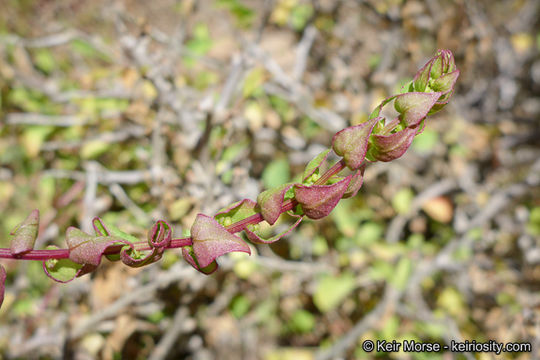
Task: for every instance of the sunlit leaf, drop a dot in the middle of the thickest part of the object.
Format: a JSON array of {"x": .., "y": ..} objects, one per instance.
[
  {"x": 211, "y": 240},
  {"x": 332, "y": 290}
]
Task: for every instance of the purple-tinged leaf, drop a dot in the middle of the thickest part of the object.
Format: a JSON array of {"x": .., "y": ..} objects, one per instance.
[
  {"x": 357, "y": 180},
  {"x": 25, "y": 234},
  {"x": 392, "y": 146},
  {"x": 319, "y": 200},
  {"x": 159, "y": 238},
  {"x": 236, "y": 212},
  {"x": 271, "y": 201},
  {"x": 415, "y": 106},
  {"x": 189, "y": 256},
  {"x": 2, "y": 284},
  {"x": 352, "y": 143},
  {"x": 314, "y": 165},
  {"x": 257, "y": 239},
  {"x": 211, "y": 240},
  {"x": 87, "y": 249},
  {"x": 160, "y": 235}
]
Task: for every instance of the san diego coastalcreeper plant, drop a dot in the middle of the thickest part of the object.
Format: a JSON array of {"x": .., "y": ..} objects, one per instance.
[{"x": 376, "y": 139}]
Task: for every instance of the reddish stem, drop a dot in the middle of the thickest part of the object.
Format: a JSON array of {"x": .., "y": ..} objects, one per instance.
[
  {"x": 36, "y": 254},
  {"x": 175, "y": 243}
]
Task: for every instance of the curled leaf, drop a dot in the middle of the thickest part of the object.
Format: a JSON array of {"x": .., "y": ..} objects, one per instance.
[
  {"x": 313, "y": 166},
  {"x": 271, "y": 201},
  {"x": 25, "y": 234},
  {"x": 160, "y": 235},
  {"x": 352, "y": 143},
  {"x": 134, "y": 258},
  {"x": 319, "y": 200},
  {"x": 392, "y": 146},
  {"x": 159, "y": 238},
  {"x": 189, "y": 256},
  {"x": 211, "y": 240},
  {"x": 2, "y": 284}
]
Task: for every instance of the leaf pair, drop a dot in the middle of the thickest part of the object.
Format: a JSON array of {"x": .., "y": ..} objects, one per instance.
[{"x": 86, "y": 251}]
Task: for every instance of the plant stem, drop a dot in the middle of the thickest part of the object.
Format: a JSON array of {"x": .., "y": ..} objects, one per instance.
[
  {"x": 36, "y": 254},
  {"x": 340, "y": 165},
  {"x": 175, "y": 243}
]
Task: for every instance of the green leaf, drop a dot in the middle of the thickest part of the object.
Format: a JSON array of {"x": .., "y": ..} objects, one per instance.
[
  {"x": 243, "y": 15},
  {"x": 240, "y": 306},
  {"x": 332, "y": 290},
  {"x": 300, "y": 15},
  {"x": 94, "y": 148},
  {"x": 402, "y": 200},
  {"x": 381, "y": 270},
  {"x": 116, "y": 232},
  {"x": 253, "y": 82},
  {"x": 402, "y": 273},
  {"x": 391, "y": 327},
  {"x": 276, "y": 173},
  {"x": 62, "y": 270},
  {"x": 244, "y": 268},
  {"x": 533, "y": 226},
  {"x": 369, "y": 233},
  {"x": 312, "y": 168},
  {"x": 345, "y": 218},
  {"x": 33, "y": 137},
  {"x": 302, "y": 321},
  {"x": 44, "y": 60},
  {"x": 201, "y": 42},
  {"x": 425, "y": 142},
  {"x": 88, "y": 50},
  {"x": 452, "y": 301}
]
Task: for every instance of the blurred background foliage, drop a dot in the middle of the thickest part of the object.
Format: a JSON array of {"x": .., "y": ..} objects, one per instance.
[{"x": 135, "y": 111}]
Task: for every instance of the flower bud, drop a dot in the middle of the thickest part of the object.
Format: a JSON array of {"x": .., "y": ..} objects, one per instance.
[{"x": 440, "y": 65}]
